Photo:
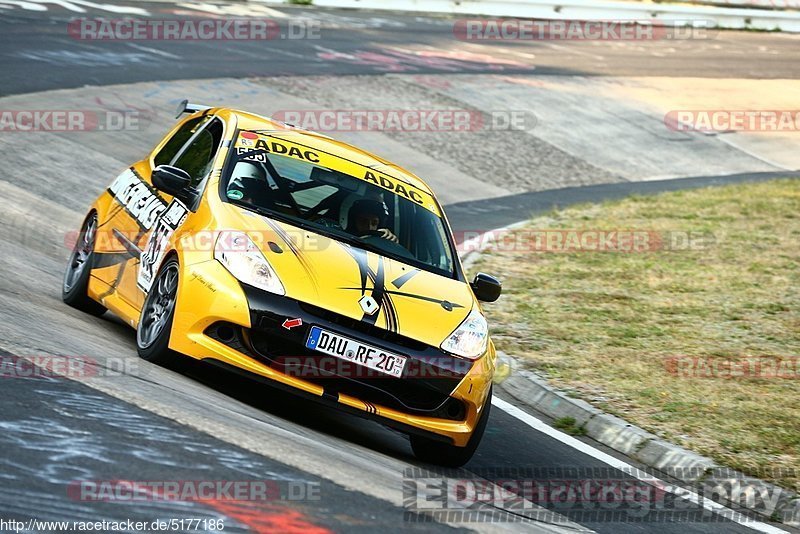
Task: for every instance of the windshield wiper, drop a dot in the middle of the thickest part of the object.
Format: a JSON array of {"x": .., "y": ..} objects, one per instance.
[
  {"x": 356, "y": 242},
  {"x": 408, "y": 260}
]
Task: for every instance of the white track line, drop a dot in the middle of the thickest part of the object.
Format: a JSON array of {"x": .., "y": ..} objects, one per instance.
[
  {"x": 625, "y": 467},
  {"x": 154, "y": 51}
]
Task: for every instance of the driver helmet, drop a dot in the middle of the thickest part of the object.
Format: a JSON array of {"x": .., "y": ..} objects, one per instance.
[{"x": 367, "y": 213}]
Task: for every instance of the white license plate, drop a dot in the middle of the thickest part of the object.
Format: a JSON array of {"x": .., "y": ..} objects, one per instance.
[{"x": 354, "y": 351}]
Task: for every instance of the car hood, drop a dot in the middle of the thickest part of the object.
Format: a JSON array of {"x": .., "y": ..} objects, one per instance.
[{"x": 336, "y": 276}]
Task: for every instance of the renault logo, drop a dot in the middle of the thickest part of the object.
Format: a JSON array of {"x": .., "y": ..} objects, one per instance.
[{"x": 368, "y": 304}]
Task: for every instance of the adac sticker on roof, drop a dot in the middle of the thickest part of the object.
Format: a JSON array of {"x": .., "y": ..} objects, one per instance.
[{"x": 246, "y": 142}]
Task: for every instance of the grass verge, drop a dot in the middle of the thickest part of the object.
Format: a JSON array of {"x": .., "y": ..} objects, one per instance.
[{"x": 694, "y": 337}]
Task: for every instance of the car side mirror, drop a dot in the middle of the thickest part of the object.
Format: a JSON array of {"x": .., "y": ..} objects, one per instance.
[
  {"x": 173, "y": 181},
  {"x": 487, "y": 288}
]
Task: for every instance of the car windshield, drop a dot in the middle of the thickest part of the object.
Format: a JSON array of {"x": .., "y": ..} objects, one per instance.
[{"x": 322, "y": 192}]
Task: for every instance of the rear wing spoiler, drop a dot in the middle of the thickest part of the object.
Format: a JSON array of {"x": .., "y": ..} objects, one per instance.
[{"x": 186, "y": 107}]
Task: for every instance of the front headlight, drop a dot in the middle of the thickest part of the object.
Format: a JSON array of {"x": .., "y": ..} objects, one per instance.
[
  {"x": 469, "y": 340},
  {"x": 243, "y": 259}
]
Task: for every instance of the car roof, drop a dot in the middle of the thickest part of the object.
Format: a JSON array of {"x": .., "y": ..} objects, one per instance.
[{"x": 321, "y": 142}]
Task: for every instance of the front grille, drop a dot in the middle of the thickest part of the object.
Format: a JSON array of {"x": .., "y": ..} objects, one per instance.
[{"x": 407, "y": 395}]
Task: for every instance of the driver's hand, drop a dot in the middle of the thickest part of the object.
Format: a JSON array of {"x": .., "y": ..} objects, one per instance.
[{"x": 386, "y": 234}]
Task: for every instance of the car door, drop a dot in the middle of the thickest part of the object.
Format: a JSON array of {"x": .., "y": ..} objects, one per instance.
[{"x": 192, "y": 147}]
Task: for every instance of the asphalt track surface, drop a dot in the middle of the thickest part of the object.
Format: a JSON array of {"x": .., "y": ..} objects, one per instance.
[
  {"x": 56, "y": 431},
  {"x": 38, "y": 54}
]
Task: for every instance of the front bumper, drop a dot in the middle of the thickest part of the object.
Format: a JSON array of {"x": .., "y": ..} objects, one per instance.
[
  {"x": 429, "y": 377},
  {"x": 439, "y": 395}
]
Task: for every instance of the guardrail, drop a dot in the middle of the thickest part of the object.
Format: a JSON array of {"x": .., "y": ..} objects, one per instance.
[
  {"x": 667, "y": 14},
  {"x": 761, "y": 4}
]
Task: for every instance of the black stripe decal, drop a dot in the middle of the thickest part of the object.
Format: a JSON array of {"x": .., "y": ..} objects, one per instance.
[
  {"x": 379, "y": 292},
  {"x": 361, "y": 259},
  {"x": 131, "y": 247},
  {"x": 413, "y": 296},
  {"x": 114, "y": 212},
  {"x": 123, "y": 258},
  {"x": 402, "y": 279},
  {"x": 100, "y": 260},
  {"x": 391, "y": 313},
  {"x": 115, "y": 283}
]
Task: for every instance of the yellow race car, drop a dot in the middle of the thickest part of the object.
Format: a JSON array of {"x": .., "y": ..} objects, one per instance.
[{"x": 295, "y": 258}]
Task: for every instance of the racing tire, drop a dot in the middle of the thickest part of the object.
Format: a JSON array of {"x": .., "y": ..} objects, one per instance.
[
  {"x": 75, "y": 286},
  {"x": 155, "y": 322},
  {"x": 446, "y": 455}
]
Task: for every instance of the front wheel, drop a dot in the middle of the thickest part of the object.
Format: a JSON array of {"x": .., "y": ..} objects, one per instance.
[
  {"x": 75, "y": 287},
  {"x": 155, "y": 322},
  {"x": 446, "y": 455}
]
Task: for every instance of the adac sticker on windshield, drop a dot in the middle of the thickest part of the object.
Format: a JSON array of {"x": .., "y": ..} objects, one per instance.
[
  {"x": 265, "y": 145},
  {"x": 396, "y": 186},
  {"x": 283, "y": 148}
]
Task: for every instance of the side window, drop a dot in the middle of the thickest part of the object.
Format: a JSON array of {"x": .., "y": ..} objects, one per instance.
[
  {"x": 171, "y": 148},
  {"x": 198, "y": 157}
]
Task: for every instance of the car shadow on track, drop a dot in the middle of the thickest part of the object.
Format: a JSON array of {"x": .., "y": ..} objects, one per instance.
[{"x": 298, "y": 410}]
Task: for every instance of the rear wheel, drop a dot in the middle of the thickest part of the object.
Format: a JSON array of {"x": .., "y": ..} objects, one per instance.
[
  {"x": 155, "y": 322},
  {"x": 75, "y": 288},
  {"x": 444, "y": 454}
]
